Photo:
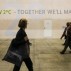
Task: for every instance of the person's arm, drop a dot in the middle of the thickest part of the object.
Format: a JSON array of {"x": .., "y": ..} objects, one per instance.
[
  {"x": 27, "y": 40},
  {"x": 63, "y": 33}
]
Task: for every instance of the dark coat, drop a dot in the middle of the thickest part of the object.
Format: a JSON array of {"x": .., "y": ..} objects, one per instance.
[
  {"x": 20, "y": 44},
  {"x": 64, "y": 33}
]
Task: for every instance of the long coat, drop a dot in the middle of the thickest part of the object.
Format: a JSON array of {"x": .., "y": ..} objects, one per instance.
[{"x": 20, "y": 43}]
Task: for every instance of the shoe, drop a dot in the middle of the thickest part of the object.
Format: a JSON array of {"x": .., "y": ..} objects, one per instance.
[{"x": 61, "y": 52}]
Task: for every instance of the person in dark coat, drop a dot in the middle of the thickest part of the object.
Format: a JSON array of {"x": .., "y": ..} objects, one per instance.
[
  {"x": 68, "y": 40},
  {"x": 65, "y": 32},
  {"x": 23, "y": 45}
]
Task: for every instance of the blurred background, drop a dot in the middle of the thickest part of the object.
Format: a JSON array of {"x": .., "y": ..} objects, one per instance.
[{"x": 47, "y": 24}]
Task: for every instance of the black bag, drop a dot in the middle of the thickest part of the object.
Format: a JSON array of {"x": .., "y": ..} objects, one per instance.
[{"x": 12, "y": 55}]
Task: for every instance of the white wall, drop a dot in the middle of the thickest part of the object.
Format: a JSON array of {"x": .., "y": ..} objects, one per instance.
[
  {"x": 59, "y": 11},
  {"x": 35, "y": 29}
]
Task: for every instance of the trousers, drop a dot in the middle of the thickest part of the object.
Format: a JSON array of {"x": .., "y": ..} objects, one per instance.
[
  {"x": 28, "y": 63},
  {"x": 67, "y": 44}
]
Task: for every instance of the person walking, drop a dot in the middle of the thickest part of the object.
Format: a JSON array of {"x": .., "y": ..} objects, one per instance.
[
  {"x": 65, "y": 32},
  {"x": 23, "y": 45},
  {"x": 68, "y": 40}
]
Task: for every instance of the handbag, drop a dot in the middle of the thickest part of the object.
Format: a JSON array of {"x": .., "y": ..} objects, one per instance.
[{"x": 13, "y": 56}]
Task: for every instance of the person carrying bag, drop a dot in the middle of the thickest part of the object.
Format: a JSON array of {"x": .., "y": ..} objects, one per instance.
[
  {"x": 13, "y": 55},
  {"x": 20, "y": 48}
]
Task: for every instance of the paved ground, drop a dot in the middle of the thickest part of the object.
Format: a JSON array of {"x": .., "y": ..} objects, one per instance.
[{"x": 44, "y": 54}]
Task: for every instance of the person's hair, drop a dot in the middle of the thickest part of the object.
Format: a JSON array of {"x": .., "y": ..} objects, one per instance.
[
  {"x": 68, "y": 24},
  {"x": 22, "y": 23}
]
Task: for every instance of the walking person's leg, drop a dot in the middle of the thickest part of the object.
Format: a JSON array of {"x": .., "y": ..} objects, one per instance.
[
  {"x": 16, "y": 68},
  {"x": 29, "y": 64},
  {"x": 63, "y": 51},
  {"x": 70, "y": 46},
  {"x": 65, "y": 47}
]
